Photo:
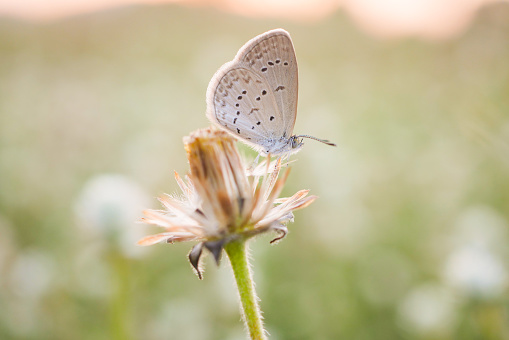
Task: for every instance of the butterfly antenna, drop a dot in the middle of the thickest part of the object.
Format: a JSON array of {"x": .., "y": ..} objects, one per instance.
[{"x": 325, "y": 141}]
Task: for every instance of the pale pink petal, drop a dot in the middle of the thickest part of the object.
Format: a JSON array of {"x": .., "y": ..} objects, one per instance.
[
  {"x": 186, "y": 189},
  {"x": 186, "y": 213},
  {"x": 167, "y": 237},
  {"x": 280, "y": 211},
  {"x": 153, "y": 239}
]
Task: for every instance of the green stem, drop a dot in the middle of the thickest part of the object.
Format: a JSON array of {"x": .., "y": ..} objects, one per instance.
[
  {"x": 119, "y": 308},
  {"x": 237, "y": 253}
]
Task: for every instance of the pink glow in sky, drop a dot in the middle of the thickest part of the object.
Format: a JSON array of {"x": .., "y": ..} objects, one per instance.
[
  {"x": 429, "y": 18},
  {"x": 54, "y": 9},
  {"x": 383, "y": 18}
]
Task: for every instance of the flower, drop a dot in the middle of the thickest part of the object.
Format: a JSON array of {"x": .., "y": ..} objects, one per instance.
[
  {"x": 106, "y": 205},
  {"x": 476, "y": 271},
  {"x": 220, "y": 203}
]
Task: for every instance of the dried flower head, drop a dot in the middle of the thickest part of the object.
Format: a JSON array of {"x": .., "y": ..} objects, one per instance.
[{"x": 220, "y": 202}]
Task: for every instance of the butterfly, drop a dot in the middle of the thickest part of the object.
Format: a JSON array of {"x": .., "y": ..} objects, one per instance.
[{"x": 254, "y": 96}]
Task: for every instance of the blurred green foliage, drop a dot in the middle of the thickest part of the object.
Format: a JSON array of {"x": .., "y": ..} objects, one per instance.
[{"x": 407, "y": 241}]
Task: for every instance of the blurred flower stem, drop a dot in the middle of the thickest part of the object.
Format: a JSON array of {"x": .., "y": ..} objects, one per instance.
[
  {"x": 120, "y": 300},
  {"x": 237, "y": 253}
]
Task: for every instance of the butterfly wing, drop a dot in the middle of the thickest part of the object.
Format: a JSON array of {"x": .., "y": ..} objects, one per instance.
[
  {"x": 254, "y": 97},
  {"x": 271, "y": 56},
  {"x": 240, "y": 101}
]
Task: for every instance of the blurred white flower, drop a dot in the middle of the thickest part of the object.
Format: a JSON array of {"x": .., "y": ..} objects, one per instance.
[
  {"x": 481, "y": 226},
  {"x": 109, "y": 205},
  {"x": 474, "y": 265},
  {"x": 29, "y": 278},
  {"x": 476, "y": 271},
  {"x": 31, "y": 274},
  {"x": 428, "y": 310}
]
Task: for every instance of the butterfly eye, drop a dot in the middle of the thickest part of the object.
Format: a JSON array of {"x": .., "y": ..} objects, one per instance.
[{"x": 295, "y": 143}]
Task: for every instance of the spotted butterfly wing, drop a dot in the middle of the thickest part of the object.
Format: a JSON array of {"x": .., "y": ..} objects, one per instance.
[
  {"x": 272, "y": 56},
  {"x": 254, "y": 97}
]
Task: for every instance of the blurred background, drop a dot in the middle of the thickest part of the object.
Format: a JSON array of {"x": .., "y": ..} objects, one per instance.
[{"x": 409, "y": 239}]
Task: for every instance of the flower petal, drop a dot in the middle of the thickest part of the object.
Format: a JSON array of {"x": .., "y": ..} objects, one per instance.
[
  {"x": 186, "y": 213},
  {"x": 153, "y": 239},
  {"x": 282, "y": 230},
  {"x": 215, "y": 248},
  {"x": 185, "y": 189},
  {"x": 171, "y": 223},
  {"x": 297, "y": 201},
  {"x": 194, "y": 257},
  {"x": 264, "y": 208}
]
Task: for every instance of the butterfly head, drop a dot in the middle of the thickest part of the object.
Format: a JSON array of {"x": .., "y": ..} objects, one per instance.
[
  {"x": 282, "y": 146},
  {"x": 292, "y": 145},
  {"x": 296, "y": 143}
]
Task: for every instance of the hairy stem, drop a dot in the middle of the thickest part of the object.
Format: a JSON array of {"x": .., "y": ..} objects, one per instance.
[{"x": 237, "y": 253}]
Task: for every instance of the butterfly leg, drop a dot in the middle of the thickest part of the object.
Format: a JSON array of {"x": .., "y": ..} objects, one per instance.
[{"x": 286, "y": 159}]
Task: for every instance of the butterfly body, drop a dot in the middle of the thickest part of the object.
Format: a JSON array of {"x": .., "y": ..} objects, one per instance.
[{"x": 254, "y": 96}]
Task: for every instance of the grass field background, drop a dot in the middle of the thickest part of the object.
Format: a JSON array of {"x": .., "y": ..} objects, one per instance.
[{"x": 408, "y": 239}]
